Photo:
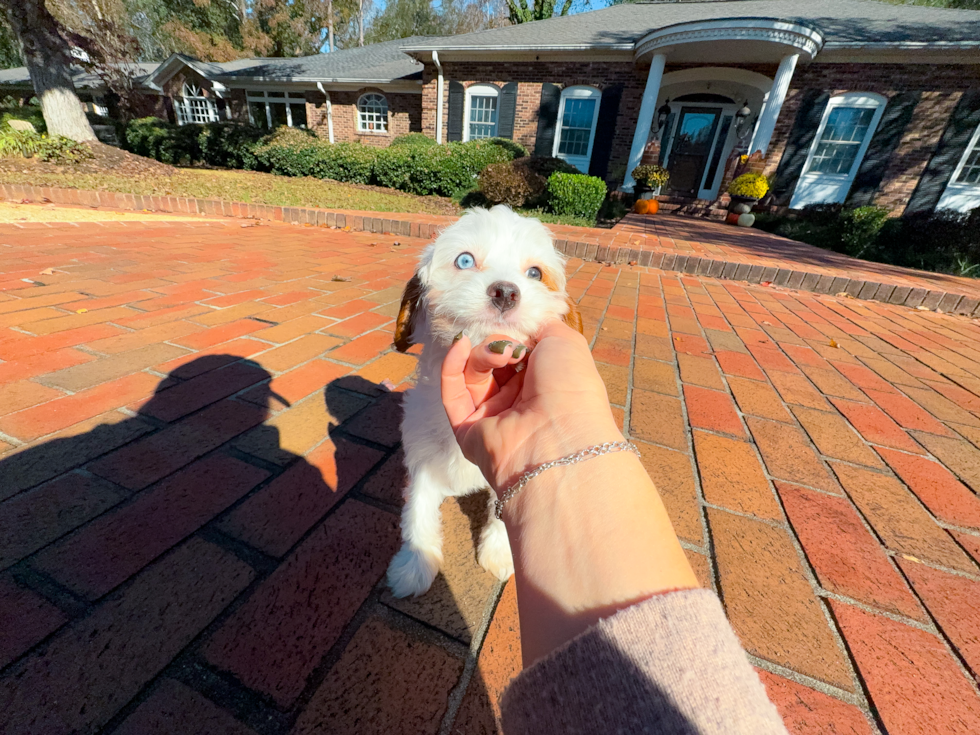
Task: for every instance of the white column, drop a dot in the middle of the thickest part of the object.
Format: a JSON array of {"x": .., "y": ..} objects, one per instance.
[
  {"x": 774, "y": 103},
  {"x": 648, "y": 108}
]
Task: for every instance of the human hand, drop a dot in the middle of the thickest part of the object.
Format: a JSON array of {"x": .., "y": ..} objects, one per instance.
[{"x": 509, "y": 422}]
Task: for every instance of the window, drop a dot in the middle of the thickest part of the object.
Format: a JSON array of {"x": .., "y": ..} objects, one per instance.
[
  {"x": 372, "y": 113},
  {"x": 273, "y": 109},
  {"x": 848, "y": 124},
  {"x": 576, "y": 126},
  {"x": 193, "y": 107},
  {"x": 481, "y": 111},
  {"x": 845, "y": 131},
  {"x": 962, "y": 194}
]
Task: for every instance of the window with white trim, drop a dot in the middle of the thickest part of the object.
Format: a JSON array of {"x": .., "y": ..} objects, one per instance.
[
  {"x": 577, "y": 117},
  {"x": 481, "y": 111},
  {"x": 962, "y": 193},
  {"x": 372, "y": 113},
  {"x": 193, "y": 107},
  {"x": 273, "y": 109},
  {"x": 838, "y": 148}
]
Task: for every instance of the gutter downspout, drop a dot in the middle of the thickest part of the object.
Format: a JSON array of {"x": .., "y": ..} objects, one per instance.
[
  {"x": 435, "y": 60},
  {"x": 319, "y": 85}
]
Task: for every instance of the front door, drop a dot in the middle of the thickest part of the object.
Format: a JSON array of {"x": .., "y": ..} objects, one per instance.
[{"x": 691, "y": 149}]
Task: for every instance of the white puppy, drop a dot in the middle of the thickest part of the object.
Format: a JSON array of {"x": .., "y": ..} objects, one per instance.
[{"x": 492, "y": 272}]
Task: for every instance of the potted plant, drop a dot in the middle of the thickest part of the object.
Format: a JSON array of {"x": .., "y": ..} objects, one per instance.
[
  {"x": 648, "y": 179},
  {"x": 748, "y": 189}
]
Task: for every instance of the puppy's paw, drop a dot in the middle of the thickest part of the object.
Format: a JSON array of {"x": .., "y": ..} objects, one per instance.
[
  {"x": 412, "y": 570},
  {"x": 494, "y": 553}
]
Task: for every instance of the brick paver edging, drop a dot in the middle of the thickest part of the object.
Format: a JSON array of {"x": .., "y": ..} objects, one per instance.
[{"x": 590, "y": 249}]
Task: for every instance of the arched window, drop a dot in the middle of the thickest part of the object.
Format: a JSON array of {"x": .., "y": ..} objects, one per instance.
[
  {"x": 372, "y": 113},
  {"x": 193, "y": 107},
  {"x": 848, "y": 124},
  {"x": 577, "y": 116},
  {"x": 962, "y": 193},
  {"x": 481, "y": 111}
]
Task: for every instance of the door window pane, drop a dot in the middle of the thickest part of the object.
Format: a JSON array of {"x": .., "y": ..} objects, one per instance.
[
  {"x": 299, "y": 115},
  {"x": 842, "y": 137},
  {"x": 483, "y": 117},
  {"x": 257, "y": 111},
  {"x": 576, "y": 127},
  {"x": 278, "y": 110}
]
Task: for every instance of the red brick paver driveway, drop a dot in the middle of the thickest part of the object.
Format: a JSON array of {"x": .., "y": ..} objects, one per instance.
[{"x": 200, "y": 480}]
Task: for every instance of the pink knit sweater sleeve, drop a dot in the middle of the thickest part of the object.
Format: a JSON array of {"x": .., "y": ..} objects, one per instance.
[{"x": 668, "y": 665}]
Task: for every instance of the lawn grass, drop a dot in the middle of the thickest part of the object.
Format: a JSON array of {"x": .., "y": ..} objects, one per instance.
[{"x": 241, "y": 186}]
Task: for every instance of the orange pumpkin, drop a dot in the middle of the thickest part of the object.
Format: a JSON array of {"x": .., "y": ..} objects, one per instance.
[
  {"x": 642, "y": 206},
  {"x": 653, "y": 206}
]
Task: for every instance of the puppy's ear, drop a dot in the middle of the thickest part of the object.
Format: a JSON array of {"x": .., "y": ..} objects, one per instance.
[
  {"x": 408, "y": 313},
  {"x": 573, "y": 318}
]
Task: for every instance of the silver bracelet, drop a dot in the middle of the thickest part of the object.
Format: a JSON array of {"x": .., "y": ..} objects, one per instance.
[{"x": 586, "y": 454}]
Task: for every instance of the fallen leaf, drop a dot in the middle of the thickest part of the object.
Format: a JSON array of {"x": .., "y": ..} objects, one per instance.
[
  {"x": 833, "y": 343},
  {"x": 766, "y": 284},
  {"x": 843, "y": 295},
  {"x": 80, "y": 311},
  {"x": 632, "y": 262},
  {"x": 339, "y": 278},
  {"x": 920, "y": 307}
]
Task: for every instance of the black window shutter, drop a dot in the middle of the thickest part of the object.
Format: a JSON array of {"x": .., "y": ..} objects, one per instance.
[
  {"x": 544, "y": 141},
  {"x": 507, "y": 110},
  {"x": 956, "y": 137},
  {"x": 891, "y": 127},
  {"x": 457, "y": 98},
  {"x": 812, "y": 105},
  {"x": 605, "y": 129}
]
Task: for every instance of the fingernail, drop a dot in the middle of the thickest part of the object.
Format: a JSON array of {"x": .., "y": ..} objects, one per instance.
[
  {"x": 457, "y": 338},
  {"x": 499, "y": 346},
  {"x": 518, "y": 351}
]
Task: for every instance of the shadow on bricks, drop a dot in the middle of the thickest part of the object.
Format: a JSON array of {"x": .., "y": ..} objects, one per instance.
[{"x": 204, "y": 566}]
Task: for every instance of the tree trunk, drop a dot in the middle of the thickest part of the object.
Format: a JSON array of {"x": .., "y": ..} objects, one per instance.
[
  {"x": 330, "y": 24},
  {"x": 49, "y": 64},
  {"x": 360, "y": 22}
]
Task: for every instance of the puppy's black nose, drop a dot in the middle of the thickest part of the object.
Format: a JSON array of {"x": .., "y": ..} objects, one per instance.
[{"x": 504, "y": 295}]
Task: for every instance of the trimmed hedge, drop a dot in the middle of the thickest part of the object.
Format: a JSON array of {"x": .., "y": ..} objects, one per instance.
[
  {"x": 413, "y": 163},
  {"x": 576, "y": 194},
  {"x": 522, "y": 182},
  {"x": 943, "y": 241}
]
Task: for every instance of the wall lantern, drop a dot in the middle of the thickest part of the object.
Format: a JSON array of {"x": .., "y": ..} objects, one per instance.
[
  {"x": 742, "y": 126},
  {"x": 662, "y": 114}
]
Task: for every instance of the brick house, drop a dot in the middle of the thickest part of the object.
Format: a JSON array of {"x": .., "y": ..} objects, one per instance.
[{"x": 838, "y": 101}]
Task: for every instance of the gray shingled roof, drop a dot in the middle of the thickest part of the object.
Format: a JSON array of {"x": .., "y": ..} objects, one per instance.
[
  {"x": 82, "y": 79},
  {"x": 378, "y": 62},
  {"x": 842, "y": 22}
]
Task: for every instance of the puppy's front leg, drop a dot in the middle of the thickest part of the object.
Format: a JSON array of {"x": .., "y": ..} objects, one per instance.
[
  {"x": 494, "y": 552},
  {"x": 417, "y": 562}
]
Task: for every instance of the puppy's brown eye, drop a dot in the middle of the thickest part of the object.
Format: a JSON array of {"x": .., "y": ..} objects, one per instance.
[{"x": 534, "y": 272}]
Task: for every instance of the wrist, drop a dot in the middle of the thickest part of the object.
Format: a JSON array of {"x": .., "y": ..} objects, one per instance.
[{"x": 555, "y": 443}]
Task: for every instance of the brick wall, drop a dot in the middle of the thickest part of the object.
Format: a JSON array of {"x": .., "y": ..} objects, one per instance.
[
  {"x": 529, "y": 78},
  {"x": 941, "y": 88},
  {"x": 404, "y": 116}
]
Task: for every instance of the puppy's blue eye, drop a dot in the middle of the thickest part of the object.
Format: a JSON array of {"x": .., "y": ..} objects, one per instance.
[
  {"x": 534, "y": 273},
  {"x": 465, "y": 261}
]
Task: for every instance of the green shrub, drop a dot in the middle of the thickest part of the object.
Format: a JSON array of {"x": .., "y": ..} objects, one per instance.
[
  {"x": 544, "y": 166},
  {"x": 30, "y": 113},
  {"x": 443, "y": 169},
  {"x": 229, "y": 145},
  {"x": 515, "y": 149},
  {"x": 576, "y": 194},
  {"x": 503, "y": 183},
  {"x": 60, "y": 149},
  {"x": 420, "y": 139},
  {"x": 860, "y": 228},
  {"x": 18, "y": 142}
]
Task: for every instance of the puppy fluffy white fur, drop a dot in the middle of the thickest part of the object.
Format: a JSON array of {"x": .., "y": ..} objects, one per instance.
[{"x": 449, "y": 295}]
